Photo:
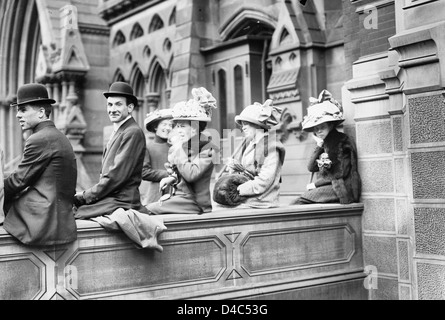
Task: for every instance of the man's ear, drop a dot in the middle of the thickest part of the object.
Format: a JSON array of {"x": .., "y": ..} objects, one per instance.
[
  {"x": 42, "y": 112},
  {"x": 130, "y": 107}
]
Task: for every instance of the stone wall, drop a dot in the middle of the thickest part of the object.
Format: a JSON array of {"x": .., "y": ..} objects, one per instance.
[
  {"x": 299, "y": 252},
  {"x": 399, "y": 103}
]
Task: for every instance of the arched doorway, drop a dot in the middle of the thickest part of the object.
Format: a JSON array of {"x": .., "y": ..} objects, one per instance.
[
  {"x": 238, "y": 68},
  {"x": 19, "y": 50}
]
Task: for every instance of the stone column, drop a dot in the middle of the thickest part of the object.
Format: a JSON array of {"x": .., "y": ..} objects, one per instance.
[
  {"x": 421, "y": 58},
  {"x": 152, "y": 99}
]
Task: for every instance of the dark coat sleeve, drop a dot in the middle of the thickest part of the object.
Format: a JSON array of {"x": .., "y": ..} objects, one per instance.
[
  {"x": 36, "y": 156},
  {"x": 150, "y": 174},
  {"x": 339, "y": 176}
]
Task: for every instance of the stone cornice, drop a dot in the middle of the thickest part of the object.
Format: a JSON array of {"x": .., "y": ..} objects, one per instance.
[
  {"x": 113, "y": 11},
  {"x": 86, "y": 28}
]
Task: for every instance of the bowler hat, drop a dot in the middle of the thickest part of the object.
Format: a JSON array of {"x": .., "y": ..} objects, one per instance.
[
  {"x": 121, "y": 89},
  {"x": 32, "y": 93}
]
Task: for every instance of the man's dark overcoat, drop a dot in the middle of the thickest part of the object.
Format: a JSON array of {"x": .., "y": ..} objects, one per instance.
[
  {"x": 120, "y": 176},
  {"x": 39, "y": 194}
]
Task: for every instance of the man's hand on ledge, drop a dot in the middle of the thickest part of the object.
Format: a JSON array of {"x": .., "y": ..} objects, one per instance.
[{"x": 79, "y": 199}]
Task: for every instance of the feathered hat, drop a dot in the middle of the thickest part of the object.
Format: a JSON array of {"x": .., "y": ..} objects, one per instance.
[
  {"x": 323, "y": 109},
  {"x": 265, "y": 115},
  {"x": 199, "y": 108}
]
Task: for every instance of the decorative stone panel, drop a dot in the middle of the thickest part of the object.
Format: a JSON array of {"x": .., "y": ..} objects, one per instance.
[
  {"x": 429, "y": 224},
  {"x": 377, "y": 176},
  {"x": 399, "y": 169},
  {"x": 426, "y": 119},
  {"x": 405, "y": 292},
  {"x": 97, "y": 267},
  {"x": 380, "y": 252},
  {"x": 265, "y": 252},
  {"x": 428, "y": 180},
  {"x": 374, "y": 137},
  {"x": 403, "y": 219},
  {"x": 379, "y": 215},
  {"x": 14, "y": 285},
  {"x": 404, "y": 269},
  {"x": 431, "y": 281},
  {"x": 397, "y": 131},
  {"x": 388, "y": 289}
]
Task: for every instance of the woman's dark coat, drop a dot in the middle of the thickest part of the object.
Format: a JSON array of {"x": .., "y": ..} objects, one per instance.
[{"x": 341, "y": 182}]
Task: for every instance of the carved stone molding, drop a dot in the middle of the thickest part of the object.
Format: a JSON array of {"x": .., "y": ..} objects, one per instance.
[
  {"x": 419, "y": 54},
  {"x": 226, "y": 254}
]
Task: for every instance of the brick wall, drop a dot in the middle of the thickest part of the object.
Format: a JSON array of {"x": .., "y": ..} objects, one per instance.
[{"x": 360, "y": 41}]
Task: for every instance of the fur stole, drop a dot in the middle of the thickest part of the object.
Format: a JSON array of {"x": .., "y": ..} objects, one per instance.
[{"x": 343, "y": 173}]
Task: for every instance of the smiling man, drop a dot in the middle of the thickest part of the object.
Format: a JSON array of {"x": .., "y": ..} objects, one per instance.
[
  {"x": 122, "y": 161},
  {"x": 39, "y": 193}
]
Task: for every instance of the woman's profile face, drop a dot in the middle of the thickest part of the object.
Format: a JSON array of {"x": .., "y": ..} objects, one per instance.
[
  {"x": 184, "y": 130},
  {"x": 322, "y": 130},
  {"x": 249, "y": 129}
]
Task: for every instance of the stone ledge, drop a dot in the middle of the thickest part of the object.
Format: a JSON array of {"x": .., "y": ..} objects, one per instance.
[{"x": 243, "y": 253}]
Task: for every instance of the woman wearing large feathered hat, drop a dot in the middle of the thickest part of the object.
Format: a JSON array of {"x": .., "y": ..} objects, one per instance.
[
  {"x": 334, "y": 160},
  {"x": 190, "y": 158}
]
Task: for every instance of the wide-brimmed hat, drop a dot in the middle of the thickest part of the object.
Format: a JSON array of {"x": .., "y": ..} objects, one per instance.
[
  {"x": 324, "y": 109},
  {"x": 32, "y": 93},
  {"x": 199, "y": 108},
  {"x": 264, "y": 115},
  {"x": 153, "y": 118},
  {"x": 121, "y": 89}
]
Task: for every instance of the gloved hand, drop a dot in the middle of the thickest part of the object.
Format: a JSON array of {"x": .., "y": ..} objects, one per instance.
[
  {"x": 310, "y": 186},
  {"x": 318, "y": 140},
  {"x": 166, "y": 182},
  {"x": 79, "y": 200}
]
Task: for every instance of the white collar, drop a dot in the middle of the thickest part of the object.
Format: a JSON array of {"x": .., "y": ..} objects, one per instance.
[{"x": 117, "y": 125}]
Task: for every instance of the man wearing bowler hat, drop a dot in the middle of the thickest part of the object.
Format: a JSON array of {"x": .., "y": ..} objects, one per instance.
[
  {"x": 39, "y": 193},
  {"x": 122, "y": 160}
]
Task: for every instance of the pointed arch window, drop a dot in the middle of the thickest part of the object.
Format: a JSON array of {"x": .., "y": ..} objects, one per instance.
[
  {"x": 172, "y": 20},
  {"x": 138, "y": 84},
  {"x": 239, "y": 89},
  {"x": 222, "y": 94},
  {"x": 119, "y": 39},
  {"x": 136, "y": 31},
  {"x": 147, "y": 52},
  {"x": 156, "y": 24},
  {"x": 285, "y": 37},
  {"x": 118, "y": 76},
  {"x": 158, "y": 86}
]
